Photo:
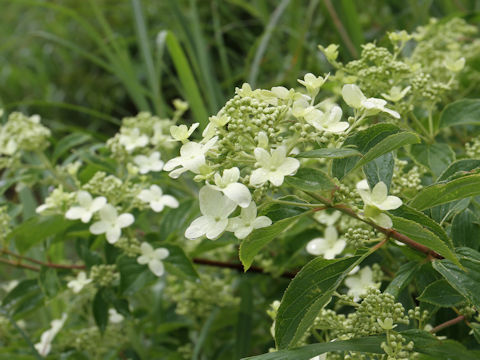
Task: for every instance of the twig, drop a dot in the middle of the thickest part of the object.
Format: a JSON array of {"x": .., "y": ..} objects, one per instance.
[
  {"x": 42, "y": 263},
  {"x": 447, "y": 324},
  {"x": 239, "y": 267},
  {"x": 18, "y": 264}
]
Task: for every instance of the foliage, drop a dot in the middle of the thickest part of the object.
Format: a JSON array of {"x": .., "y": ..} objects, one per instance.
[{"x": 334, "y": 217}]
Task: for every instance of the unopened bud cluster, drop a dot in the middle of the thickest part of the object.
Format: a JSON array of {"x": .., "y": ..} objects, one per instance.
[{"x": 104, "y": 275}]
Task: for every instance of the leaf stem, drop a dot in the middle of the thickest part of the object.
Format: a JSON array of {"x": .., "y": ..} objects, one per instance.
[{"x": 447, "y": 324}]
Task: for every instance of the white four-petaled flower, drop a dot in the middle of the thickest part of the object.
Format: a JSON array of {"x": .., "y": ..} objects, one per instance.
[
  {"x": 45, "y": 344},
  {"x": 155, "y": 198},
  {"x": 312, "y": 83},
  {"x": 192, "y": 157},
  {"x": 79, "y": 283},
  {"x": 377, "y": 201},
  {"x": 153, "y": 257},
  {"x": 114, "y": 316},
  {"x": 148, "y": 163},
  {"x": 87, "y": 207},
  {"x": 329, "y": 122},
  {"x": 215, "y": 209},
  {"x": 248, "y": 221},
  {"x": 329, "y": 246},
  {"x": 111, "y": 223},
  {"x": 229, "y": 185},
  {"x": 359, "y": 283},
  {"x": 274, "y": 166},
  {"x": 354, "y": 97},
  {"x": 181, "y": 132},
  {"x": 132, "y": 138}
]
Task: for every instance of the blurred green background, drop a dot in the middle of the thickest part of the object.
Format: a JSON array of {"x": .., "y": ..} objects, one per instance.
[{"x": 86, "y": 64}]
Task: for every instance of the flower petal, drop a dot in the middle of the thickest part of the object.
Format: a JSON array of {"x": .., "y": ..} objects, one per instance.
[
  {"x": 216, "y": 229},
  {"x": 197, "y": 228},
  {"x": 113, "y": 234},
  {"x": 391, "y": 203},
  {"x": 100, "y": 227},
  {"x": 125, "y": 220},
  {"x": 379, "y": 193},
  {"x": 76, "y": 212},
  {"x": 239, "y": 193},
  {"x": 156, "y": 266},
  {"x": 161, "y": 253}
]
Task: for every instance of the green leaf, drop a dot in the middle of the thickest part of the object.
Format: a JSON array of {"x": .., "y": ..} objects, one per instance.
[
  {"x": 443, "y": 193},
  {"x": 409, "y": 213},
  {"x": 332, "y": 153},
  {"x": 308, "y": 179},
  {"x": 49, "y": 281},
  {"x": 423, "y": 236},
  {"x": 440, "y": 293},
  {"x": 461, "y": 112},
  {"x": 245, "y": 319},
  {"x": 436, "y": 157},
  {"x": 380, "y": 169},
  {"x": 307, "y": 294},
  {"x": 133, "y": 276},
  {"x": 464, "y": 281},
  {"x": 364, "y": 140},
  {"x": 68, "y": 142},
  {"x": 426, "y": 343},
  {"x": 44, "y": 227},
  {"x": 251, "y": 245},
  {"x": 178, "y": 263},
  {"x": 189, "y": 84},
  {"x": 403, "y": 278},
  {"x": 100, "y": 310},
  {"x": 460, "y": 166},
  {"x": 466, "y": 230},
  {"x": 387, "y": 145},
  {"x": 367, "y": 345}
]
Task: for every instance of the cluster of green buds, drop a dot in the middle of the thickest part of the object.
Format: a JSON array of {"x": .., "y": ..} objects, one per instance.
[
  {"x": 359, "y": 236},
  {"x": 396, "y": 347},
  {"x": 406, "y": 182},
  {"x": 472, "y": 148},
  {"x": 104, "y": 275}
]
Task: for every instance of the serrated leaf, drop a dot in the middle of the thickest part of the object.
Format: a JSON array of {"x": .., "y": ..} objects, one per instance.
[
  {"x": 45, "y": 226},
  {"x": 251, "y": 245},
  {"x": 440, "y": 293},
  {"x": 461, "y": 112},
  {"x": 436, "y": 157},
  {"x": 409, "y": 213},
  {"x": 466, "y": 230},
  {"x": 443, "y": 193},
  {"x": 464, "y": 166},
  {"x": 380, "y": 169},
  {"x": 387, "y": 145},
  {"x": 364, "y": 140},
  {"x": 330, "y": 153},
  {"x": 307, "y": 294},
  {"x": 178, "y": 263},
  {"x": 423, "y": 236},
  {"x": 100, "y": 310},
  {"x": 308, "y": 179},
  {"x": 367, "y": 345},
  {"x": 464, "y": 281},
  {"x": 402, "y": 278}
]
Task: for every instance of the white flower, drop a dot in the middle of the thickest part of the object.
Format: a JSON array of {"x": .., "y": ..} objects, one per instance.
[
  {"x": 148, "y": 163},
  {"x": 215, "y": 209},
  {"x": 320, "y": 357},
  {"x": 78, "y": 284},
  {"x": 327, "y": 219},
  {"x": 157, "y": 201},
  {"x": 354, "y": 97},
  {"x": 312, "y": 83},
  {"x": 377, "y": 201},
  {"x": 114, "y": 317},
  {"x": 153, "y": 257},
  {"x": 87, "y": 208},
  {"x": 192, "y": 157},
  {"x": 248, "y": 221},
  {"x": 214, "y": 123},
  {"x": 131, "y": 139},
  {"x": 229, "y": 185},
  {"x": 329, "y": 122},
  {"x": 273, "y": 167},
  {"x": 359, "y": 283},
  {"x": 329, "y": 246},
  {"x": 455, "y": 65},
  {"x": 111, "y": 223},
  {"x": 181, "y": 132},
  {"x": 386, "y": 324},
  {"x": 396, "y": 93},
  {"x": 45, "y": 344}
]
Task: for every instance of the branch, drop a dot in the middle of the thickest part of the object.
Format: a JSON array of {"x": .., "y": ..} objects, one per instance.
[
  {"x": 389, "y": 232},
  {"x": 42, "y": 263},
  {"x": 447, "y": 324},
  {"x": 239, "y": 267},
  {"x": 18, "y": 264}
]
